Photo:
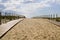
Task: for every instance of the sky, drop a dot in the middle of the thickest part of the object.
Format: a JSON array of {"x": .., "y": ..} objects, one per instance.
[{"x": 30, "y": 8}]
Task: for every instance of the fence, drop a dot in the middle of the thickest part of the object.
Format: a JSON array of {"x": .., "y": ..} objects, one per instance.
[
  {"x": 0, "y": 18},
  {"x": 8, "y": 17}
]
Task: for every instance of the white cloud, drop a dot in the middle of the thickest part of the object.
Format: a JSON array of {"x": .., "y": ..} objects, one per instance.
[
  {"x": 31, "y": 7},
  {"x": 11, "y": 5},
  {"x": 27, "y": 8},
  {"x": 57, "y": 1},
  {"x": 0, "y": 0}
]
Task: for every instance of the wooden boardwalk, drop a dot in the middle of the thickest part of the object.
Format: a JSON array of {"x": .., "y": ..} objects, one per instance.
[
  {"x": 7, "y": 26},
  {"x": 33, "y": 29}
]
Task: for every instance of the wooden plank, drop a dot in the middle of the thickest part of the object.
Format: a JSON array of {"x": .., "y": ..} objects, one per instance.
[
  {"x": 5, "y": 27},
  {"x": 0, "y": 18}
]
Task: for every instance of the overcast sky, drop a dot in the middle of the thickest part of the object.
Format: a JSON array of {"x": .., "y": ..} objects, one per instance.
[{"x": 31, "y": 8}]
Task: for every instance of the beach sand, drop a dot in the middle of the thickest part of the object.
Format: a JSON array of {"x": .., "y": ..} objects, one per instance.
[{"x": 33, "y": 29}]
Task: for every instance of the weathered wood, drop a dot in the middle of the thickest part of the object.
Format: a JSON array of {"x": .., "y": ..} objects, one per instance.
[
  {"x": 0, "y": 18},
  {"x": 4, "y": 28}
]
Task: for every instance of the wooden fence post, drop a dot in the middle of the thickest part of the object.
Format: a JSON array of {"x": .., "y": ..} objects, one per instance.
[{"x": 0, "y": 18}]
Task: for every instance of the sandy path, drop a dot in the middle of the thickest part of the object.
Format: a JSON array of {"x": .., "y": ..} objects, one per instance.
[{"x": 33, "y": 29}]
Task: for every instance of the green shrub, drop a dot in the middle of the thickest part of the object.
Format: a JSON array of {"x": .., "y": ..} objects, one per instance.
[{"x": 58, "y": 20}]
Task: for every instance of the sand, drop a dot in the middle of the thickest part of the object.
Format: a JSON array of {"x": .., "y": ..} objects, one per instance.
[{"x": 33, "y": 29}]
